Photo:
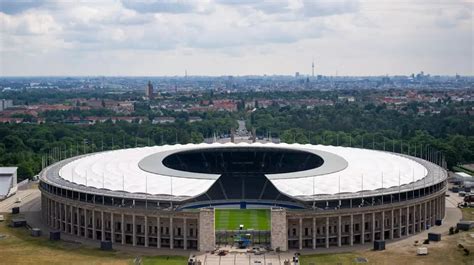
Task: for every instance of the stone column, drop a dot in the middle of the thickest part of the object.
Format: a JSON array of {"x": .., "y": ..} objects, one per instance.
[
  {"x": 407, "y": 232},
  {"x": 373, "y": 226},
  {"x": 327, "y": 232},
  {"x": 339, "y": 232},
  {"x": 172, "y": 233},
  {"x": 314, "y": 233},
  {"x": 432, "y": 219},
  {"x": 185, "y": 234},
  {"x": 438, "y": 210},
  {"x": 50, "y": 212},
  {"x": 94, "y": 234},
  {"x": 419, "y": 218},
  {"x": 382, "y": 225},
  {"x": 362, "y": 238},
  {"x": 112, "y": 228},
  {"x": 78, "y": 222},
  {"x": 425, "y": 214},
  {"x": 122, "y": 226},
  {"x": 414, "y": 220},
  {"x": 86, "y": 221},
  {"x": 392, "y": 224},
  {"x": 134, "y": 231},
  {"x": 351, "y": 238},
  {"x": 65, "y": 218},
  {"x": 438, "y": 207},
  {"x": 158, "y": 233},
  {"x": 400, "y": 223},
  {"x": 54, "y": 214},
  {"x": 102, "y": 226},
  {"x": 443, "y": 206},
  {"x": 300, "y": 234},
  {"x": 207, "y": 236},
  {"x": 65, "y": 215},
  {"x": 60, "y": 218},
  {"x": 432, "y": 213},
  {"x": 72, "y": 220},
  {"x": 146, "y": 231}
]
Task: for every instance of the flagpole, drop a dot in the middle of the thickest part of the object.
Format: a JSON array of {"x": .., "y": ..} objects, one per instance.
[
  {"x": 314, "y": 200},
  {"x": 146, "y": 191},
  {"x": 339, "y": 191},
  {"x": 382, "y": 187},
  {"x": 399, "y": 188},
  {"x": 362, "y": 188}
]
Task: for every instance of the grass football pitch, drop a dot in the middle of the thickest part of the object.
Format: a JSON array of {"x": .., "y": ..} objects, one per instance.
[{"x": 230, "y": 219}]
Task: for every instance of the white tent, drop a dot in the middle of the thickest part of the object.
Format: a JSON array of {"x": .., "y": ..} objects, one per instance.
[{"x": 8, "y": 179}]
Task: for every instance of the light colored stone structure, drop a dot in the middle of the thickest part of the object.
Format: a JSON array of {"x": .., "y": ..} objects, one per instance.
[
  {"x": 125, "y": 226},
  {"x": 279, "y": 228},
  {"x": 347, "y": 227},
  {"x": 207, "y": 234}
]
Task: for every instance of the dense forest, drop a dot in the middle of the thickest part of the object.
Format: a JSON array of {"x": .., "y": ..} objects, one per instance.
[
  {"x": 450, "y": 132},
  {"x": 349, "y": 124},
  {"x": 25, "y": 145}
]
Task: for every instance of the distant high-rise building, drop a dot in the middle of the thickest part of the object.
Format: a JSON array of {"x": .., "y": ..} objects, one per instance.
[
  {"x": 312, "y": 66},
  {"x": 5, "y": 104},
  {"x": 149, "y": 90},
  {"x": 297, "y": 74}
]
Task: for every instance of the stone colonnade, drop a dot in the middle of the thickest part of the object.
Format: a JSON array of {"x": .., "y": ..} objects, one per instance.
[
  {"x": 127, "y": 226},
  {"x": 324, "y": 229}
]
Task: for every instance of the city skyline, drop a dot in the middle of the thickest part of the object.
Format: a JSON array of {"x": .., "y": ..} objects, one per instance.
[{"x": 216, "y": 38}]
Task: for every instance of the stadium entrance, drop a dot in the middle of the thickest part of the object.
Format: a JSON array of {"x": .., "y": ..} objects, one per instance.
[{"x": 242, "y": 228}]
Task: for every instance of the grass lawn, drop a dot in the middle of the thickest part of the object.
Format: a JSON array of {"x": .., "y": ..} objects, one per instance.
[
  {"x": 230, "y": 219},
  {"x": 340, "y": 258},
  {"x": 468, "y": 214},
  {"x": 158, "y": 260},
  {"x": 18, "y": 247}
]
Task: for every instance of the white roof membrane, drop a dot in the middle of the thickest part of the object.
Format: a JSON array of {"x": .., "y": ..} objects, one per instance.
[{"x": 366, "y": 170}]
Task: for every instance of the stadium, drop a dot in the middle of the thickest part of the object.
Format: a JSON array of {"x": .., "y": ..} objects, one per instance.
[{"x": 285, "y": 196}]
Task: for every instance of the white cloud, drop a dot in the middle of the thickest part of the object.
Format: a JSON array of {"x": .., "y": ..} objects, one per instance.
[
  {"x": 167, "y": 6},
  {"x": 28, "y": 23},
  {"x": 236, "y": 37}
]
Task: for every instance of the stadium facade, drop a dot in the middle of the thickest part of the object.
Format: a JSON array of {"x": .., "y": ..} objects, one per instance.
[{"x": 319, "y": 196}]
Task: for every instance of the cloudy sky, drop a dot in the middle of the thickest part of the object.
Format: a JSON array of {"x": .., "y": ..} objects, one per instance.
[{"x": 236, "y": 37}]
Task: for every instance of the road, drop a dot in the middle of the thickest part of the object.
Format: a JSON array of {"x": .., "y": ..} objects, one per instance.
[{"x": 26, "y": 197}]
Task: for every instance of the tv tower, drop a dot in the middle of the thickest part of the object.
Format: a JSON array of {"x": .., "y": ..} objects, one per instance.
[{"x": 312, "y": 66}]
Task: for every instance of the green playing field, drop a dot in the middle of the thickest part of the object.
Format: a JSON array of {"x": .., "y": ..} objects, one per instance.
[{"x": 230, "y": 219}]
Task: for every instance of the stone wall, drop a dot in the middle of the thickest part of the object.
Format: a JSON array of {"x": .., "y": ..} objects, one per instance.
[
  {"x": 207, "y": 234},
  {"x": 279, "y": 234}
]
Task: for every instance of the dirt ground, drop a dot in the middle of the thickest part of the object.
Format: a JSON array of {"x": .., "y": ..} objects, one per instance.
[{"x": 443, "y": 252}]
